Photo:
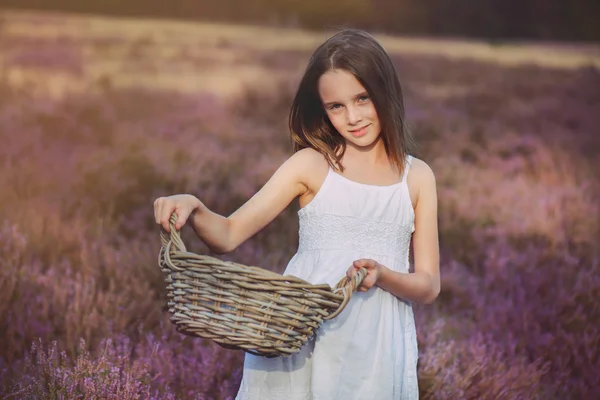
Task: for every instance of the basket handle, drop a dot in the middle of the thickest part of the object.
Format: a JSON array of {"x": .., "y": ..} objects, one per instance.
[
  {"x": 347, "y": 286},
  {"x": 173, "y": 238}
]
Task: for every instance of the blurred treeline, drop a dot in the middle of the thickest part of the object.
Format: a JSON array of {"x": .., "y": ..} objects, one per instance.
[{"x": 558, "y": 20}]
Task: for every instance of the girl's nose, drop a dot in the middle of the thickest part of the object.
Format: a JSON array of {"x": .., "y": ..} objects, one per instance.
[{"x": 353, "y": 115}]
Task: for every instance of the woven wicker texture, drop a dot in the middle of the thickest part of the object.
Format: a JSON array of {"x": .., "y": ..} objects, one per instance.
[{"x": 244, "y": 307}]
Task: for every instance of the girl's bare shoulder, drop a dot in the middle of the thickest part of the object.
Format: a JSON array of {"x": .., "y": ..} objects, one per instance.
[
  {"x": 313, "y": 168},
  {"x": 310, "y": 157},
  {"x": 420, "y": 168},
  {"x": 421, "y": 178}
]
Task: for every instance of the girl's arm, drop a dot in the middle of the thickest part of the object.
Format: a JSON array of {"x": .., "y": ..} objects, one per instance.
[
  {"x": 223, "y": 235},
  {"x": 422, "y": 286}
]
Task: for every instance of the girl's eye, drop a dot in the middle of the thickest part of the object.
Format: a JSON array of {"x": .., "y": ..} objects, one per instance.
[
  {"x": 363, "y": 98},
  {"x": 335, "y": 106}
]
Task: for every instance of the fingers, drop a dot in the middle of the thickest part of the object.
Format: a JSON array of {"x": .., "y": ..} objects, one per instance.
[
  {"x": 364, "y": 262},
  {"x": 165, "y": 215},
  {"x": 163, "y": 208},
  {"x": 181, "y": 205},
  {"x": 363, "y": 288},
  {"x": 181, "y": 218},
  {"x": 351, "y": 272},
  {"x": 158, "y": 205},
  {"x": 369, "y": 280},
  {"x": 358, "y": 264}
]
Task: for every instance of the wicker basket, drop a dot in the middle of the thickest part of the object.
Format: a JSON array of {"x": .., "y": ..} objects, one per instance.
[{"x": 243, "y": 307}]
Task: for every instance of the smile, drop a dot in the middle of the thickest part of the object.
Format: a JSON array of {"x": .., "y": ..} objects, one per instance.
[{"x": 360, "y": 131}]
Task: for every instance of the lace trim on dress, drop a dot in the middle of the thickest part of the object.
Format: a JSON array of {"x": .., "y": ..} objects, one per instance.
[{"x": 330, "y": 232}]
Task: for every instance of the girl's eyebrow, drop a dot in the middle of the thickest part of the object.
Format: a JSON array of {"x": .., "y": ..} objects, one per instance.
[{"x": 356, "y": 96}]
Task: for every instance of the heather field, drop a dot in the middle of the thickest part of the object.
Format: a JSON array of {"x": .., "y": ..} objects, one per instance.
[{"x": 98, "y": 117}]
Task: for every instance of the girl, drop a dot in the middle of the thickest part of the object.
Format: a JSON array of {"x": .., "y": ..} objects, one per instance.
[{"x": 362, "y": 198}]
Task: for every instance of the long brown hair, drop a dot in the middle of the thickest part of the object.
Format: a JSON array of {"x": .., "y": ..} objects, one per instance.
[{"x": 360, "y": 54}]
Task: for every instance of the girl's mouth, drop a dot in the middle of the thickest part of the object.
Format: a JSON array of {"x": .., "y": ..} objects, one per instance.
[{"x": 360, "y": 132}]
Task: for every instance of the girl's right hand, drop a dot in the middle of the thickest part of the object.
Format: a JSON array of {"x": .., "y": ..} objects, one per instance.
[{"x": 182, "y": 204}]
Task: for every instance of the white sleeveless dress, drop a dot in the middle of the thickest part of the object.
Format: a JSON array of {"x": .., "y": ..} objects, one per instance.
[{"x": 369, "y": 351}]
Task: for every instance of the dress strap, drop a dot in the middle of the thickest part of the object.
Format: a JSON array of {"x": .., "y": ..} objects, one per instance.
[{"x": 406, "y": 167}]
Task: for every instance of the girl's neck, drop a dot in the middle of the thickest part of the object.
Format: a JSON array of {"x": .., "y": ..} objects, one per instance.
[{"x": 373, "y": 154}]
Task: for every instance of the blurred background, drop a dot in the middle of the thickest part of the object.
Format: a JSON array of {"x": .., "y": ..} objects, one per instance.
[
  {"x": 105, "y": 106},
  {"x": 493, "y": 19}
]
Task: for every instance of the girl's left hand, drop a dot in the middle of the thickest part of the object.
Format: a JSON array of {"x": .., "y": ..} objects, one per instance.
[{"x": 373, "y": 273}]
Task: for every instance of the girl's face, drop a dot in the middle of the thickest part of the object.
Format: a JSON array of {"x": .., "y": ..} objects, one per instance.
[{"x": 349, "y": 108}]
